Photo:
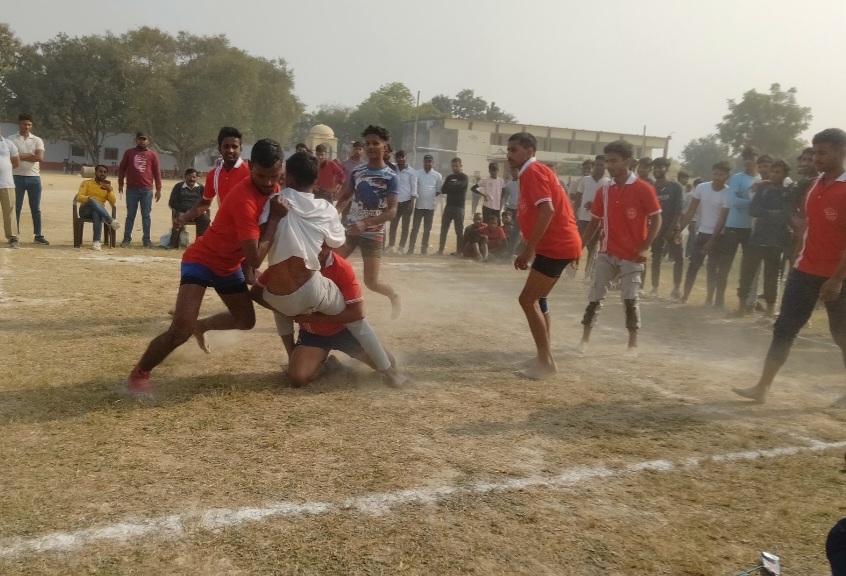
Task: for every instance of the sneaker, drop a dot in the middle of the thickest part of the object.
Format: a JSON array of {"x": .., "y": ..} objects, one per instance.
[
  {"x": 400, "y": 251},
  {"x": 14, "y": 244},
  {"x": 148, "y": 244},
  {"x": 114, "y": 224},
  {"x": 41, "y": 240},
  {"x": 95, "y": 246},
  {"x": 125, "y": 243},
  {"x": 138, "y": 384}
]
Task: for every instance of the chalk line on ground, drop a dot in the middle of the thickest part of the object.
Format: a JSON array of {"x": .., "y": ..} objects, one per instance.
[{"x": 188, "y": 523}]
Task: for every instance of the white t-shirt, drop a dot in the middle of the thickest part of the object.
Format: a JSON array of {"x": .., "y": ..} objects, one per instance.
[
  {"x": 587, "y": 186},
  {"x": 28, "y": 145},
  {"x": 492, "y": 187},
  {"x": 8, "y": 150},
  {"x": 711, "y": 204},
  {"x": 310, "y": 222}
]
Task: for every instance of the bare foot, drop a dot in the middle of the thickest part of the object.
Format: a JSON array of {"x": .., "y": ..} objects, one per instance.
[
  {"x": 582, "y": 347},
  {"x": 201, "y": 341},
  {"x": 396, "y": 307},
  {"x": 394, "y": 379},
  {"x": 527, "y": 363},
  {"x": 756, "y": 393},
  {"x": 538, "y": 371},
  {"x": 631, "y": 352}
]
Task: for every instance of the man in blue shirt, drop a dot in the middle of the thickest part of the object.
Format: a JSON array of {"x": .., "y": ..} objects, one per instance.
[{"x": 738, "y": 223}]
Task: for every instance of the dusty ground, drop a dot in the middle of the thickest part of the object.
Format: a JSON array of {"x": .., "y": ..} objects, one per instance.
[{"x": 615, "y": 466}]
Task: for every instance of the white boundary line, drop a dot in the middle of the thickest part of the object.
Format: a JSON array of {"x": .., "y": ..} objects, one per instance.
[{"x": 188, "y": 523}]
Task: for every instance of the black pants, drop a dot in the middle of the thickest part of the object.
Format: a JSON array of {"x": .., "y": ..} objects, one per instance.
[
  {"x": 203, "y": 222},
  {"x": 452, "y": 215},
  {"x": 404, "y": 210},
  {"x": 727, "y": 250},
  {"x": 697, "y": 258},
  {"x": 426, "y": 216},
  {"x": 753, "y": 256},
  {"x": 675, "y": 251}
]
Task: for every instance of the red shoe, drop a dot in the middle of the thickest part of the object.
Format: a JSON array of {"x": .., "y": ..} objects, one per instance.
[{"x": 138, "y": 384}]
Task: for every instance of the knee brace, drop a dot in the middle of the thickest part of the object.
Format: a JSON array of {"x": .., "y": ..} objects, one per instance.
[
  {"x": 591, "y": 312},
  {"x": 632, "y": 314},
  {"x": 544, "y": 307}
]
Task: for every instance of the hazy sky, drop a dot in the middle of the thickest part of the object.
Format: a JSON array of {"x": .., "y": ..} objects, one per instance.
[{"x": 614, "y": 65}]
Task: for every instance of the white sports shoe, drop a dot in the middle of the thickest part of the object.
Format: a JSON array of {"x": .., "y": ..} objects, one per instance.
[
  {"x": 114, "y": 224},
  {"x": 95, "y": 246}
]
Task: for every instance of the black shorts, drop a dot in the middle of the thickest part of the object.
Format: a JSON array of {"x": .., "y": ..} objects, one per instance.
[
  {"x": 343, "y": 341},
  {"x": 550, "y": 267}
]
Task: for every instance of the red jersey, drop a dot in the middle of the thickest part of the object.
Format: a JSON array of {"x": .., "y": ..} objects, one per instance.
[
  {"x": 825, "y": 235},
  {"x": 342, "y": 274},
  {"x": 625, "y": 212},
  {"x": 538, "y": 184},
  {"x": 237, "y": 221},
  {"x": 330, "y": 175},
  {"x": 219, "y": 180}
]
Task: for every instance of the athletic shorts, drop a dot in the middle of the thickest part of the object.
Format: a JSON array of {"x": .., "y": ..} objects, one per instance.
[
  {"x": 193, "y": 273},
  {"x": 550, "y": 267},
  {"x": 370, "y": 248},
  {"x": 343, "y": 341}
]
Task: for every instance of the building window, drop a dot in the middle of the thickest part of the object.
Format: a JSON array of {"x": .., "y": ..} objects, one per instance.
[
  {"x": 110, "y": 154},
  {"x": 77, "y": 151}
]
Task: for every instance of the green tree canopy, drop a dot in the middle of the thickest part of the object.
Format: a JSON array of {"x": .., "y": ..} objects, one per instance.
[
  {"x": 771, "y": 122},
  {"x": 700, "y": 154},
  {"x": 468, "y": 106}
]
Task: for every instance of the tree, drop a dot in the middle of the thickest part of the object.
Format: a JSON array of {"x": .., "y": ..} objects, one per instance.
[
  {"x": 496, "y": 114},
  {"x": 770, "y": 122},
  {"x": 389, "y": 106},
  {"x": 75, "y": 88},
  {"x": 10, "y": 56},
  {"x": 443, "y": 104},
  {"x": 700, "y": 154},
  {"x": 468, "y": 106},
  {"x": 336, "y": 116}
]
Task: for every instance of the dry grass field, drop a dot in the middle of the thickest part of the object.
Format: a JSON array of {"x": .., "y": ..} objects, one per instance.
[{"x": 616, "y": 466}]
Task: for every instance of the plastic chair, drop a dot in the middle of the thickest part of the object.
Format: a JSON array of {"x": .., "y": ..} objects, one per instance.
[{"x": 79, "y": 223}]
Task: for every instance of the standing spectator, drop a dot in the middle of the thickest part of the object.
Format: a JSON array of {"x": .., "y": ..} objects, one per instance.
[
  {"x": 92, "y": 197},
  {"x": 552, "y": 242},
  {"x": 583, "y": 200},
  {"x": 139, "y": 167},
  {"x": 821, "y": 266},
  {"x": 671, "y": 198},
  {"x": 330, "y": 176},
  {"x": 628, "y": 210},
  {"x": 27, "y": 175},
  {"x": 184, "y": 196},
  {"x": 429, "y": 184},
  {"x": 491, "y": 190},
  {"x": 644, "y": 169},
  {"x": 9, "y": 160},
  {"x": 511, "y": 200},
  {"x": 455, "y": 188},
  {"x": 355, "y": 160},
  {"x": 693, "y": 227},
  {"x": 405, "y": 201}
]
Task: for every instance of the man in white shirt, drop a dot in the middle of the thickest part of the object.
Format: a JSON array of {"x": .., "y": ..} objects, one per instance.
[
  {"x": 429, "y": 183},
  {"x": 583, "y": 200},
  {"x": 407, "y": 193},
  {"x": 491, "y": 190},
  {"x": 9, "y": 160},
  {"x": 28, "y": 174}
]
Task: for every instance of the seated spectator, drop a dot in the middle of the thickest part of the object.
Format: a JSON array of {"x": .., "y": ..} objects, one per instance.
[
  {"x": 475, "y": 243},
  {"x": 497, "y": 239},
  {"x": 183, "y": 197},
  {"x": 92, "y": 197}
]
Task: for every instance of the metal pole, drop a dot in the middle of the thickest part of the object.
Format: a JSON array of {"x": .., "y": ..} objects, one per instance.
[{"x": 414, "y": 133}]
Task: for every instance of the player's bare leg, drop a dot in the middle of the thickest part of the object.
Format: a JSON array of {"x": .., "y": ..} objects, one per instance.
[{"x": 537, "y": 287}]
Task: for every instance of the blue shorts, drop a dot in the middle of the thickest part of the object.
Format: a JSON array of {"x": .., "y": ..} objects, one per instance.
[
  {"x": 193, "y": 273},
  {"x": 343, "y": 341}
]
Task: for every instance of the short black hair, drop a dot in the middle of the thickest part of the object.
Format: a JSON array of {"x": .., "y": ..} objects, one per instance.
[
  {"x": 781, "y": 164},
  {"x": 25, "y": 116},
  {"x": 301, "y": 145},
  {"x": 525, "y": 139},
  {"x": 319, "y": 148},
  {"x": 101, "y": 166},
  {"x": 661, "y": 162},
  {"x": 588, "y": 163},
  {"x": 722, "y": 166},
  {"x": 228, "y": 132},
  {"x": 266, "y": 153},
  {"x": 493, "y": 166},
  {"x": 765, "y": 158},
  {"x": 302, "y": 168},
  {"x": 683, "y": 174},
  {"x": 808, "y": 150},
  {"x": 357, "y": 144},
  {"x": 833, "y": 136},
  {"x": 456, "y": 159},
  {"x": 378, "y": 131},
  {"x": 750, "y": 152},
  {"x": 190, "y": 171},
  {"x": 599, "y": 158},
  {"x": 619, "y": 147},
  {"x": 399, "y": 153},
  {"x": 645, "y": 161}
]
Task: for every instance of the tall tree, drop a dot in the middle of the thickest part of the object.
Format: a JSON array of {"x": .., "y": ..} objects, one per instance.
[
  {"x": 468, "y": 106},
  {"x": 771, "y": 122},
  {"x": 10, "y": 56},
  {"x": 389, "y": 106},
  {"x": 700, "y": 154},
  {"x": 75, "y": 87},
  {"x": 443, "y": 104}
]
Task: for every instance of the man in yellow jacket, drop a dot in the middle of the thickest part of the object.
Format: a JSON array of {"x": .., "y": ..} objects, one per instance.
[{"x": 92, "y": 198}]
